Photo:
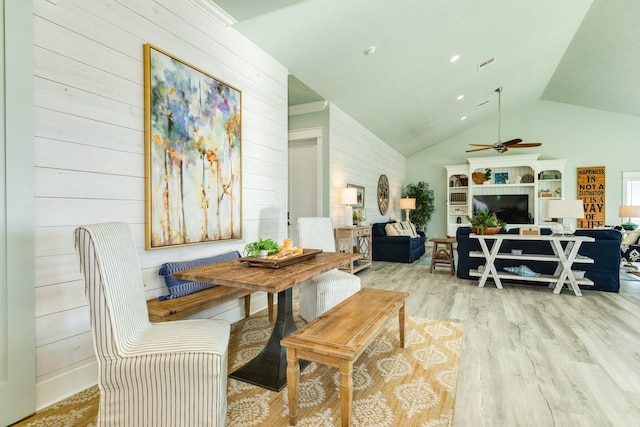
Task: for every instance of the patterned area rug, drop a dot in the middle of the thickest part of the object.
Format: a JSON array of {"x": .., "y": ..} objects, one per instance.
[{"x": 415, "y": 386}]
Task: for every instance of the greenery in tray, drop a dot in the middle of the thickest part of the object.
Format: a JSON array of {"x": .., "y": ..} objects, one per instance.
[
  {"x": 484, "y": 219},
  {"x": 269, "y": 245}
]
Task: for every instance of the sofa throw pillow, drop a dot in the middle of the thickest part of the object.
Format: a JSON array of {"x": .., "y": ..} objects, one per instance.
[
  {"x": 391, "y": 230},
  {"x": 405, "y": 228},
  {"x": 178, "y": 288},
  {"x": 631, "y": 238}
]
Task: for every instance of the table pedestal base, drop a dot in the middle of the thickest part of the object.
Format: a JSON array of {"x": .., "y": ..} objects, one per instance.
[{"x": 269, "y": 368}]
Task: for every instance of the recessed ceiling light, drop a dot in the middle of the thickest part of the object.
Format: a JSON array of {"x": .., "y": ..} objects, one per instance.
[
  {"x": 454, "y": 58},
  {"x": 460, "y": 97},
  {"x": 370, "y": 50},
  {"x": 463, "y": 118}
]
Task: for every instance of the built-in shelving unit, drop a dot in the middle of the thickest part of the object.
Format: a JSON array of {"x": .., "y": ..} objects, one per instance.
[{"x": 539, "y": 180}]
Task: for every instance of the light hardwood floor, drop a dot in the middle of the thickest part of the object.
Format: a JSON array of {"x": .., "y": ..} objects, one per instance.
[{"x": 531, "y": 358}]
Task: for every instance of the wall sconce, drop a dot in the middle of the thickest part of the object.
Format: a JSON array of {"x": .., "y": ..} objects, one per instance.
[
  {"x": 349, "y": 196},
  {"x": 407, "y": 204}
]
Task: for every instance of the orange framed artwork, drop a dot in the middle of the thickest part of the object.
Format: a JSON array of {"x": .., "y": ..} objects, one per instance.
[{"x": 591, "y": 190}]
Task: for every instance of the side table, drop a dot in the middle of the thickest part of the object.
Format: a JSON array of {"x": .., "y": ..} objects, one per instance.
[
  {"x": 445, "y": 256},
  {"x": 355, "y": 239}
]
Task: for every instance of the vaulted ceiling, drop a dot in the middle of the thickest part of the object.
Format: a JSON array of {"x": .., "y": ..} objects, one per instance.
[{"x": 580, "y": 52}]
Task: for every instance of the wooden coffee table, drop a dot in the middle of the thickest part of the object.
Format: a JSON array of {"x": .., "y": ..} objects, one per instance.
[{"x": 338, "y": 337}]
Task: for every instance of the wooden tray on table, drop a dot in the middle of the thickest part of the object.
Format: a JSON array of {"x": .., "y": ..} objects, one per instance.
[{"x": 281, "y": 262}]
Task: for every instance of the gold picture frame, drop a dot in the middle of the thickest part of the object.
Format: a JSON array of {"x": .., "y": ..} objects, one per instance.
[{"x": 193, "y": 169}]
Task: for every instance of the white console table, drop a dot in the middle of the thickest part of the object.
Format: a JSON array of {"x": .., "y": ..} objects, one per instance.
[{"x": 564, "y": 258}]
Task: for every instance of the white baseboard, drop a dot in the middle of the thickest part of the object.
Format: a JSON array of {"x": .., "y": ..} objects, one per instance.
[{"x": 58, "y": 388}]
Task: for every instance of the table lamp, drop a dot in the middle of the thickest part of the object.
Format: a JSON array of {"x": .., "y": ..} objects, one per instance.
[
  {"x": 558, "y": 210},
  {"x": 407, "y": 204},
  {"x": 349, "y": 196},
  {"x": 629, "y": 212}
]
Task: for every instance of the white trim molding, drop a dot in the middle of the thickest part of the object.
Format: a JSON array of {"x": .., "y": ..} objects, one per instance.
[
  {"x": 212, "y": 10},
  {"x": 311, "y": 107}
]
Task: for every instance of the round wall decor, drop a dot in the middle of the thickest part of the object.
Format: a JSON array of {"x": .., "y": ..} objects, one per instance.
[{"x": 383, "y": 194}]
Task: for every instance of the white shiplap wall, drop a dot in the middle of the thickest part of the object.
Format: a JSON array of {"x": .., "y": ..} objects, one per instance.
[
  {"x": 359, "y": 157},
  {"x": 89, "y": 141}
]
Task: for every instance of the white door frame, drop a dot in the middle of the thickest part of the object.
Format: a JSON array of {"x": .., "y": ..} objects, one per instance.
[{"x": 17, "y": 214}]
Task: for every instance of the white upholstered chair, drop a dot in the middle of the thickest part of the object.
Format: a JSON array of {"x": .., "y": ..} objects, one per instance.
[
  {"x": 323, "y": 292},
  {"x": 165, "y": 374}
]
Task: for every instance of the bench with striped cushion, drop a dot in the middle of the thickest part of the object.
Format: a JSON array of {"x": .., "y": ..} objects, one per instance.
[{"x": 186, "y": 297}]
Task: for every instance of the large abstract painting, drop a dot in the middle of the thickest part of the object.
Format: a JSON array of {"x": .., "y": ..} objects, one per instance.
[{"x": 192, "y": 154}]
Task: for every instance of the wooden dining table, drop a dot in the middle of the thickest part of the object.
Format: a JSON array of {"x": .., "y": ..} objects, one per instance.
[{"x": 269, "y": 368}]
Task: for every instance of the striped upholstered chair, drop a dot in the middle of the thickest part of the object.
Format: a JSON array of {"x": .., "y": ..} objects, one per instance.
[
  {"x": 323, "y": 292},
  {"x": 165, "y": 374}
]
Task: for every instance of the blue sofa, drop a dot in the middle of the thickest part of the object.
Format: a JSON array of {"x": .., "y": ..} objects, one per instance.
[
  {"x": 605, "y": 251},
  {"x": 396, "y": 248}
]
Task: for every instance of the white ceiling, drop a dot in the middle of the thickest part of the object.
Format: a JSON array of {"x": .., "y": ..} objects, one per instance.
[{"x": 581, "y": 52}]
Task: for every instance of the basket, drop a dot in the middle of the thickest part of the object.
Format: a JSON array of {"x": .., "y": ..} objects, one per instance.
[{"x": 478, "y": 177}]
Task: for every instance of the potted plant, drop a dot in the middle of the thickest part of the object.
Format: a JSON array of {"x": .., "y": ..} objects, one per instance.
[
  {"x": 261, "y": 248},
  {"x": 485, "y": 222},
  {"x": 425, "y": 204}
]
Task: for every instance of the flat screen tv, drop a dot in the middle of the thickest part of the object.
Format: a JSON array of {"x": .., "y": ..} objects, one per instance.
[{"x": 510, "y": 208}]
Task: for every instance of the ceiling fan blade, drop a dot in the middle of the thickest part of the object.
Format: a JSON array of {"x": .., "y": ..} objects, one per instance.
[
  {"x": 482, "y": 145},
  {"x": 512, "y": 142},
  {"x": 527, "y": 145},
  {"x": 479, "y": 149}
]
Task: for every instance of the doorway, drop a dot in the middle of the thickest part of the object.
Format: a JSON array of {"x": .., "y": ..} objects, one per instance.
[{"x": 305, "y": 177}]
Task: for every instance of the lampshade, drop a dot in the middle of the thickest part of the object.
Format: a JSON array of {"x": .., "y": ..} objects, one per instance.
[
  {"x": 407, "y": 203},
  {"x": 349, "y": 196},
  {"x": 629, "y": 212},
  {"x": 564, "y": 209}
]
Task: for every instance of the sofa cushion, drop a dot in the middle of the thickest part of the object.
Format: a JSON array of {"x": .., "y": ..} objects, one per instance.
[
  {"x": 179, "y": 288},
  {"x": 403, "y": 228},
  {"x": 631, "y": 238},
  {"x": 379, "y": 228},
  {"x": 391, "y": 230}
]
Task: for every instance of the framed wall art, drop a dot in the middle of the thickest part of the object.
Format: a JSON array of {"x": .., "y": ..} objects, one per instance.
[
  {"x": 360, "y": 196},
  {"x": 193, "y": 168}
]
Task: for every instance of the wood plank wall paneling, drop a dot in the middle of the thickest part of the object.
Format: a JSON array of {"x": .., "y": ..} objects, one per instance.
[
  {"x": 89, "y": 110},
  {"x": 359, "y": 157}
]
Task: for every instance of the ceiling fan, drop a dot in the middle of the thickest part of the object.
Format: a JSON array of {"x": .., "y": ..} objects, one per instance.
[{"x": 502, "y": 147}]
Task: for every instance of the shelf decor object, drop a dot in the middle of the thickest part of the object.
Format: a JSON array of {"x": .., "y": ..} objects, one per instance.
[
  {"x": 502, "y": 177},
  {"x": 629, "y": 212}
]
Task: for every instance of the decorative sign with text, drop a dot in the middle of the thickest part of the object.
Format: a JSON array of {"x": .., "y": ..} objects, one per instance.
[{"x": 591, "y": 189}]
